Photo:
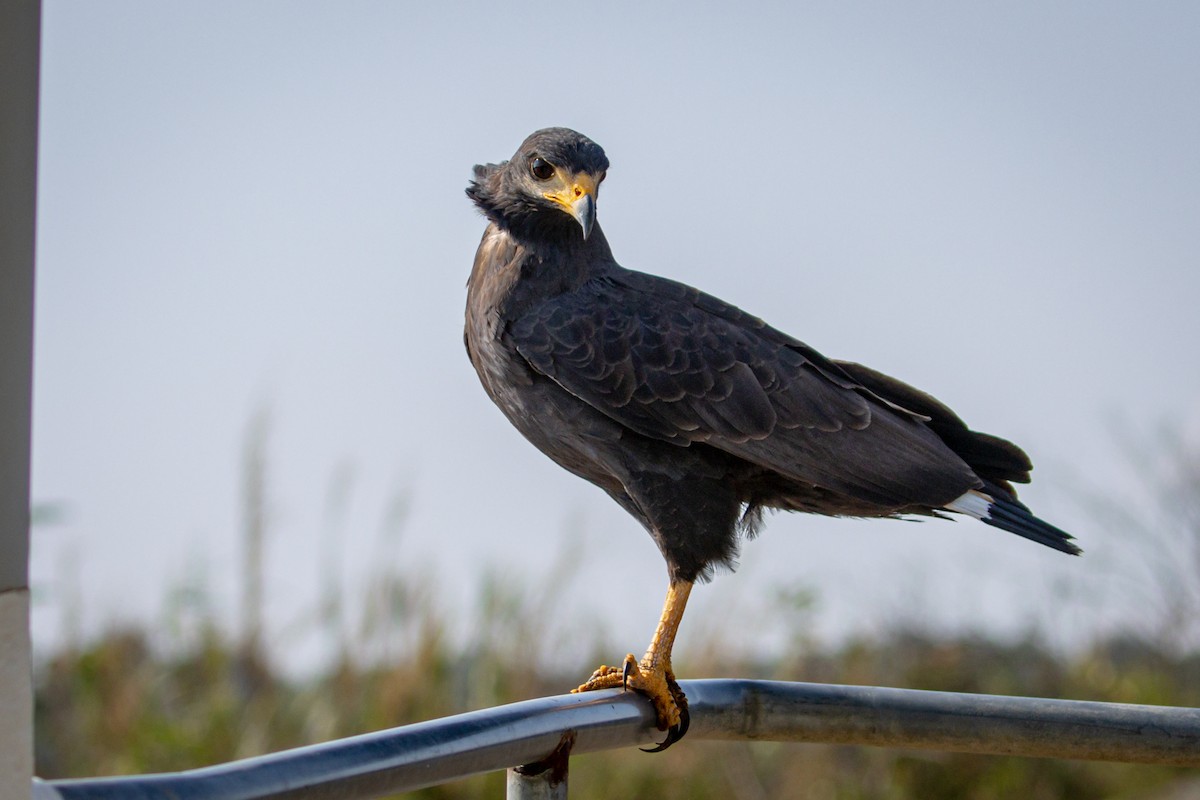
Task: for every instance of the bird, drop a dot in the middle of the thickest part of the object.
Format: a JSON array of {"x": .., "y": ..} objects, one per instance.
[{"x": 693, "y": 415}]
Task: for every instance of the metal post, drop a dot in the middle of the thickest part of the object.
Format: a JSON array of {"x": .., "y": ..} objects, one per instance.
[
  {"x": 20, "y": 31},
  {"x": 534, "y": 787},
  {"x": 545, "y": 779}
]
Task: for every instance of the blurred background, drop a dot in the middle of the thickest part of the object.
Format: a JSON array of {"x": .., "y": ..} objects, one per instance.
[{"x": 264, "y": 465}]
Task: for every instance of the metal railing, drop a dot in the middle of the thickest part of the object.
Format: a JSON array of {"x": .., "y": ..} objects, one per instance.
[{"x": 542, "y": 734}]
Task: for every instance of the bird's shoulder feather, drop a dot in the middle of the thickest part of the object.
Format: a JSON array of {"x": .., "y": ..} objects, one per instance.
[{"x": 676, "y": 364}]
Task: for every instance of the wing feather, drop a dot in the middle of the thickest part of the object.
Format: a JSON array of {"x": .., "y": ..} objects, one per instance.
[{"x": 674, "y": 364}]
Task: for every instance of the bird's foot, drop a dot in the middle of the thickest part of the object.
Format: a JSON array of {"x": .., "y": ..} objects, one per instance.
[{"x": 655, "y": 682}]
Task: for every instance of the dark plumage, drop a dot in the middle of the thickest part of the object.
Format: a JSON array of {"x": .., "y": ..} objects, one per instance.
[{"x": 692, "y": 414}]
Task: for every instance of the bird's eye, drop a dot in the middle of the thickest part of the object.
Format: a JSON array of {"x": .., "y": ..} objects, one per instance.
[{"x": 541, "y": 169}]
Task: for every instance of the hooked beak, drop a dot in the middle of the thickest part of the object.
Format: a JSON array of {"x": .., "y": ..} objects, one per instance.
[
  {"x": 584, "y": 212},
  {"x": 577, "y": 197}
]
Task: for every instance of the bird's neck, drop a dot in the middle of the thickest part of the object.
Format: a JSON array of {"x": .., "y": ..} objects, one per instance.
[{"x": 519, "y": 271}]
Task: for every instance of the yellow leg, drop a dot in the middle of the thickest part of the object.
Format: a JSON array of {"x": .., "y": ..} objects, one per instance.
[
  {"x": 653, "y": 676},
  {"x": 659, "y": 651}
]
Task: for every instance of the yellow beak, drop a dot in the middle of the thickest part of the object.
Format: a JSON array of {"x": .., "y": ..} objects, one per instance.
[{"x": 578, "y": 198}]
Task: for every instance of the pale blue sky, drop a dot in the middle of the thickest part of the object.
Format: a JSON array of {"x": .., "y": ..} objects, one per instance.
[{"x": 261, "y": 203}]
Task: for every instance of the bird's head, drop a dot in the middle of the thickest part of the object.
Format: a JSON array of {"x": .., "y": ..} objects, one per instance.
[{"x": 547, "y": 190}]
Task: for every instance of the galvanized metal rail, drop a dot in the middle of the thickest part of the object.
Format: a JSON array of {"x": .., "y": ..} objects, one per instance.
[{"x": 543, "y": 733}]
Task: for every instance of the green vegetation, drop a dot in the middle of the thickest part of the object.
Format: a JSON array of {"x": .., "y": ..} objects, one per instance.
[
  {"x": 190, "y": 695},
  {"x": 118, "y": 706}
]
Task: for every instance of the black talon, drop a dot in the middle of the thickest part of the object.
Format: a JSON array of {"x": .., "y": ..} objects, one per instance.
[
  {"x": 675, "y": 732},
  {"x": 625, "y": 670},
  {"x": 664, "y": 744},
  {"x": 685, "y": 720}
]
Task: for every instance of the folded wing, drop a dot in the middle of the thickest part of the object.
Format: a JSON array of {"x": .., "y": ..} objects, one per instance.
[{"x": 671, "y": 363}]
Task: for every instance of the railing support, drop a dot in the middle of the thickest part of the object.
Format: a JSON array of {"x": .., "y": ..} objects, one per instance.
[
  {"x": 534, "y": 787},
  {"x": 545, "y": 779}
]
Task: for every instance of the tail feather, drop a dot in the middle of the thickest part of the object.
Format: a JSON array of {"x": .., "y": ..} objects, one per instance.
[{"x": 995, "y": 507}]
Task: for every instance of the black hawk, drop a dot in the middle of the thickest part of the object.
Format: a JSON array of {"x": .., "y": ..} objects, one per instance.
[{"x": 692, "y": 414}]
